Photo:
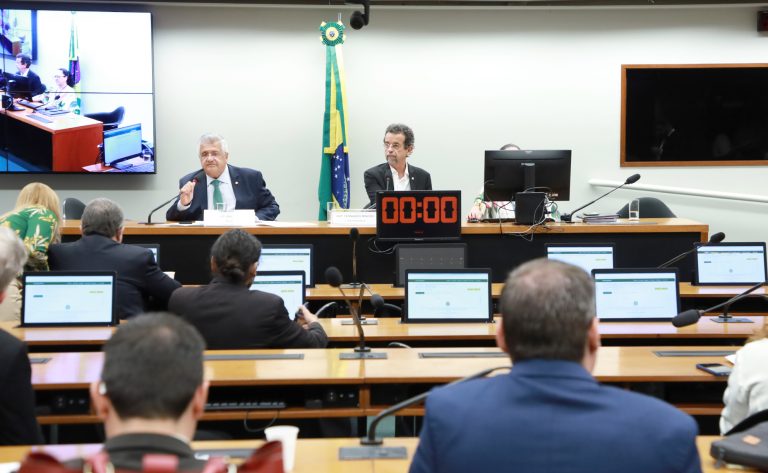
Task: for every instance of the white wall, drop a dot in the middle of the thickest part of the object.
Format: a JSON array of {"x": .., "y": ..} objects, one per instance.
[{"x": 465, "y": 80}]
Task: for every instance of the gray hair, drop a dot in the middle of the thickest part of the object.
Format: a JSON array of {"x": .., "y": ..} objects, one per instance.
[
  {"x": 547, "y": 308},
  {"x": 13, "y": 256},
  {"x": 401, "y": 129},
  {"x": 102, "y": 216},
  {"x": 214, "y": 139}
]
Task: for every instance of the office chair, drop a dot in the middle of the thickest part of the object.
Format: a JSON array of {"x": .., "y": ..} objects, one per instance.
[
  {"x": 749, "y": 422},
  {"x": 111, "y": 120},
  {"x": 650, "y": 207},
  {"x": 72, "y": 209}
]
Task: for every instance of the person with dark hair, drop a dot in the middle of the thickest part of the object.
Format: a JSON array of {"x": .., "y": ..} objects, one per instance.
[
  {"x": 549, "y": 413},
  {"x": 62, "y": 96},
  {"x": 18, "y": 425},
  {"x": 101, "y": 249},
  {"x": 151, "y": 392},
  {"x": 23, "y": 64},
  {"x": 221, "y": 186},
  {"x": 396, "y": 173},
  {"x": 229, "y": 315}
]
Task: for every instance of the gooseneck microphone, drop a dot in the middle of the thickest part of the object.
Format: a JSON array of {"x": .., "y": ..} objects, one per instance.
[
  {"x": 630, "y": 180},
  {"x": 691, "y": 316},
  {"x": 196, "y": 178},
  {"x": 379, "y": 303},
  {"x": 714, "y": 239},
  {"x": 354, "y": 235},
  {"x": 333, "y": 277}
]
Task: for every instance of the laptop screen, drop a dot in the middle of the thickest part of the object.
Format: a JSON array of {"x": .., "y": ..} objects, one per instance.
[
  {"x": 730, "y": 263},
  {"x": 636, "y": 294},
  {"x": 289, "y": 285},
  {"x": 68, "y": 298},
  {"x": 287, "y": 258},
  {"x": 587, "y": 257},
  {"x": 461, "y": 295},
  {"x": 122, "y": 143}
]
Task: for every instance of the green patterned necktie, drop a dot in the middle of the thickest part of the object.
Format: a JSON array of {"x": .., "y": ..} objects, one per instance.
[{"x": 217, "y": 198}]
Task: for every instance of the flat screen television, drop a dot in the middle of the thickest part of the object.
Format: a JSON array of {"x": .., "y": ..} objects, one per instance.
[
  {"x": 694, "y": 115},
  {"x": 508, "y": 172},
  {"x": 107, "y": 52}
]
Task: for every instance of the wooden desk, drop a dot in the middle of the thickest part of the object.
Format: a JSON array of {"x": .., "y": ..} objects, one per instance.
[
  {"x": 319, "y": 455},
  {"x": 185, "y": 249},
  {"x": 66, "y": 144}
]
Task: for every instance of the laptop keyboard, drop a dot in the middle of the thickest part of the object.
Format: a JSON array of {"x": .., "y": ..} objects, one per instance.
[
  {"x": 39, "y": 118},
  {"x": 146, "y": 167}
]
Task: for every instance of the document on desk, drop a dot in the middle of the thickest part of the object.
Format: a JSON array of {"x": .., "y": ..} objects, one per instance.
[{"x": 277, "y": 224}]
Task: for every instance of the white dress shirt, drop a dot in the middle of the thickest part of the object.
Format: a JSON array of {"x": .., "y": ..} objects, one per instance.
[
  {"x": 227, "y": 192},
  {"x": 398, "y": 183}
]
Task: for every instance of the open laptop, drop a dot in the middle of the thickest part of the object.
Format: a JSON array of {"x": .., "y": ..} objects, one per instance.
[
  {"x": 288, "y": 258},
  {"x": 448, "y": 295},
  {"x": 121, "y": 144},
  {"x": 636, "y": 294},
  {"x": 730, "y": 263},
  {"x": 289, "y": 285},
  {"x": 68, "y": 298},
  {"x": 428, "y": 256},
  {"x": 587, "y": 256}
]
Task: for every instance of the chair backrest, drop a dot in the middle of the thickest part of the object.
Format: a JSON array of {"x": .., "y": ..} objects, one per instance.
[
  {"x": 72, "y": 208},
  {"x": 109, "y": 119},
  {"x": 650, "y": 207}
]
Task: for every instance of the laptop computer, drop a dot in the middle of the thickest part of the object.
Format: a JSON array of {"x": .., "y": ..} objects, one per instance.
[
  {"x": 288, "y": 258},
  {"x": 587, "y": 256},
  {"x": 448, "y": 295},
  {"x": 730, "y": 263},
  {"x": 428, "y": 256},
  {"x": 636, "y": 294},
  {"x": 68, "y": 298},
  {"x": 289, "y": 285}
]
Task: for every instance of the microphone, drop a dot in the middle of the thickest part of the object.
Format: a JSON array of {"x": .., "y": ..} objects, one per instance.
[
  {"x": 372, "y": 450},
  {"x": 379, "y": 303},
  {"x": 630, "y": 180},
  {"x": 691, "y": 316},
  {"x": 333, "y": 277},
  {"x": 196, "y": 178},
  {"x": 354, "y": 234},
  {"x": 714, "y": 239},
  {"x": 387, "y": 179},
  {"x": 374, "y": 300}
]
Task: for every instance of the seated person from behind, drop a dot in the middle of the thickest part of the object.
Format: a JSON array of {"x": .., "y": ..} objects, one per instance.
[
  {"x": 488, "y": 210},
  {"x": 18, "y": 424},
  {"x": 152, "y": 392},
  {"x": 221, "y": 183},
  {"x": 229, "y": 315},
  {"x": 747, "y": 391},
  {"x": 548, "y": 413},
  {"x": 396, "y": 173},
  {"x": 101, "y": 249}
]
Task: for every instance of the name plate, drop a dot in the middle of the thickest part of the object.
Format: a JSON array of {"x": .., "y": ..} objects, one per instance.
[
  {"x": 232, "y": 218},
  {"x": 352, "y": 217}
]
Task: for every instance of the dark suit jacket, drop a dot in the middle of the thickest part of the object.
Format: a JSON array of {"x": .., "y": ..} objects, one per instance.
[
  {"x": 138, "y": 276},
  {"x": 379, "y": 178},
  {"x": 18, "y": 425},
  {"x": 232, "y": 316},
  {"x": 36, "y": 86},
  {"x": 250, "y": 193},
  {"x": 552, "y": 416}
]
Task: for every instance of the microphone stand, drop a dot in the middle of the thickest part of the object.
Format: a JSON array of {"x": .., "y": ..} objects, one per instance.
[
  {"x": 149, "y": 217},
  {"x": 568, "y": 218},
  {"x": 725, "y": 317},
  {"x": 361, "y": 316},
  {"x": 361, "y": 351},
  {"x": 372, "y": 449}
]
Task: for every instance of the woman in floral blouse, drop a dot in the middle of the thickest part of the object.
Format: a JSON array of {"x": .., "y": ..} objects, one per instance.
[{"x": 35, "y": 219}]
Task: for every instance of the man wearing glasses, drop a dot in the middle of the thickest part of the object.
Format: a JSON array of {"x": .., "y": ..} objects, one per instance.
[{"x": 396, "y": 173}]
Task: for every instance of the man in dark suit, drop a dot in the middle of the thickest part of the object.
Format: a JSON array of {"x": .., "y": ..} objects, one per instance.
[
  {"x": 101, "y": 249},
  {"x": 221, "y": 186},
  {"x": 396, "y": 173},
  {"x": 23, "y": 64},
  {"x": 18, "y": 425},
  {"x": 549, "y": 413},
  {"x": 152, "y": 392},
  {"x": 229, "y": 315}
]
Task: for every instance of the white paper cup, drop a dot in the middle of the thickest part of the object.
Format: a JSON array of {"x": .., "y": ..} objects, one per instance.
[{"x": 286, "y": 434}]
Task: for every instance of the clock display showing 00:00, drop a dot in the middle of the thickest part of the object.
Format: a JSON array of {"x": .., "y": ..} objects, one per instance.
[{"x": 408, "y": 209}]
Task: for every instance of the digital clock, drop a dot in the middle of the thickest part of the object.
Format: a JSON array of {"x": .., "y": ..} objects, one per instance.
[{"x": 418, "y": 215}]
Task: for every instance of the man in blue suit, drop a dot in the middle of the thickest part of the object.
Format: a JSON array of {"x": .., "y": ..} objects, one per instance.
[
  {"x": 222, "y": 186},
  {"x": 549, "y": 414}
]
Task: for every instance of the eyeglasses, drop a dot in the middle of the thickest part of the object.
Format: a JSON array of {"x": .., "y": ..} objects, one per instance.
[{"x": 394, "y": 146}]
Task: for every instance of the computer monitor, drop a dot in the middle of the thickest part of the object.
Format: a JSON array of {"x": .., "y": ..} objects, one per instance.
[
  {"x": 636, "y": 294},
  {"x": 448, "y": 295},
  {"x": 509, "y": 172},
  {"x": 121, "y": 144},
  {"x": 587, "y": 256},
  {"x": 288, "y": 285},
  {"x": 730, "y": 263},
  {"x": 17, "y": 86},
  {"x": 153, "y": 247},
  {"x": 68, "y": 298},
  {"x": 428, "y": 256},
  {"x": 288, "y": 258}
]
